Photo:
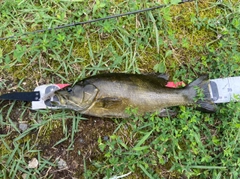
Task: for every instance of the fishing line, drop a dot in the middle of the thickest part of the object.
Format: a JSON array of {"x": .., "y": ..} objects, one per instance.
[{"x": 93, "y": 20}]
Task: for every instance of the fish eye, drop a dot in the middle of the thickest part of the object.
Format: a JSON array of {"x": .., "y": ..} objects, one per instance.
[{"x": 69, "y": 90}]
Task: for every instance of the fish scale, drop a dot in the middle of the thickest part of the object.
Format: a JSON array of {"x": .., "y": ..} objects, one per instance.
[{"x": 115, "y": 92}]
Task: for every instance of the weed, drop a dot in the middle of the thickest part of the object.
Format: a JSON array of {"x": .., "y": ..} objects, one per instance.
[{"x": 184, "y": 41}]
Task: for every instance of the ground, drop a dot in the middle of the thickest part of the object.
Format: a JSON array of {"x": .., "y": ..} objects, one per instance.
[{"x": 184, "y": 41}]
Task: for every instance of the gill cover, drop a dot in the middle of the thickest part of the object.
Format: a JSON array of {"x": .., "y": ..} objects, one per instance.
[{"x": 79, "y": 97}]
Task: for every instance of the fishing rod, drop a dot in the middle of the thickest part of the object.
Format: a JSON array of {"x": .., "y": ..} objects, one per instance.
[{"x": 94, "y": 20}]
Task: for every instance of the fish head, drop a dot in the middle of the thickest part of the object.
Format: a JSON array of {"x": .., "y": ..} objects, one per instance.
[{"x": 78, "y": 97}]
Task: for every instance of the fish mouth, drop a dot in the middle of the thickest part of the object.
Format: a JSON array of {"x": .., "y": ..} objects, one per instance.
[
  {"x": 63, "y": 101},
  {"x": 55, "y": 104},
  {"x": 59, "y": 100}
]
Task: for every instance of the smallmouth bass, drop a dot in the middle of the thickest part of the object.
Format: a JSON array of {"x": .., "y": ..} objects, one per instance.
[{"x": 108, "y": 95}]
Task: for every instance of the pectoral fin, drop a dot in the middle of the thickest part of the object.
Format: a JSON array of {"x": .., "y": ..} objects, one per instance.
[{"x": 109, "y": 102}]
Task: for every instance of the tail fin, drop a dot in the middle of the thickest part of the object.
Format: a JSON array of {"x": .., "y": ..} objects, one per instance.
[{"x": 198, "y": 90}]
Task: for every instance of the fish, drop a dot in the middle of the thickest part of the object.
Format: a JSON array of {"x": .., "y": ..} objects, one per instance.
[{"x": 109, "y": 95}]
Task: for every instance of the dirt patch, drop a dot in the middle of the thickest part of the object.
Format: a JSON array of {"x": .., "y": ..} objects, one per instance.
[{"x": 84, "y": 147}]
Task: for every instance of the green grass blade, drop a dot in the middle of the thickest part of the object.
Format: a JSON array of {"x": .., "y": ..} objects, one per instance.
[
  {"x": 142, "y": 140},
  {"x": 146, "y": 172}
]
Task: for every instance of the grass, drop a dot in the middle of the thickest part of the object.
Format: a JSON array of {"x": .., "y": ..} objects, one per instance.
[{"x": 184, "y": 41}]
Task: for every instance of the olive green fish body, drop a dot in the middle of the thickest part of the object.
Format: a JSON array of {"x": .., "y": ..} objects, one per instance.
[{"x": 108, "y": 95}]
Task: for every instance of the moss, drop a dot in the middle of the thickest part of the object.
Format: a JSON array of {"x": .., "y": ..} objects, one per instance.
[
  {"x": 190, "y": 34},
  {"x": 3, "y": 149},
  {"x": 186, "y": 33}
]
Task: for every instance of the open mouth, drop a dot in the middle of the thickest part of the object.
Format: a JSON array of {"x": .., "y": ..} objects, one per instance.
[{"x": 56, "y": 101}]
